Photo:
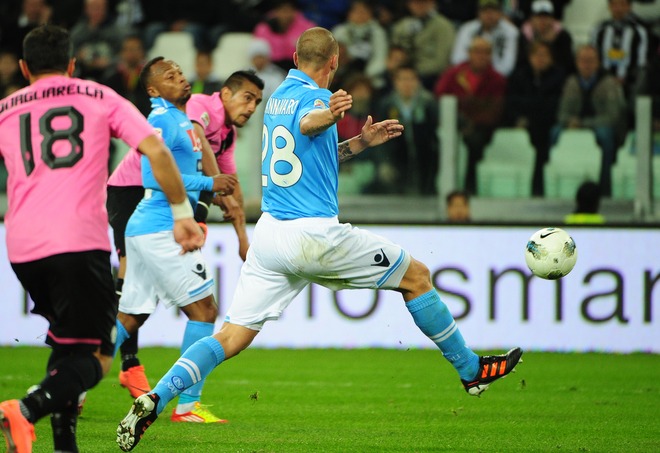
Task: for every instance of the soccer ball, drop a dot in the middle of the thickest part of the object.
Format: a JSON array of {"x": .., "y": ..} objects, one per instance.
[{"x": 550, "y": 253}]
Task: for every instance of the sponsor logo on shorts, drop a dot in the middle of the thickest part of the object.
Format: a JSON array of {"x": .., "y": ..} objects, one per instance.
[
  {"x": 381, "y": 259},
  {"x": 200, "y": 270}
]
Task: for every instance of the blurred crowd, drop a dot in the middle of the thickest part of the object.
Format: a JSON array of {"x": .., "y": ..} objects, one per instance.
[{"x": 510, "y": 63}]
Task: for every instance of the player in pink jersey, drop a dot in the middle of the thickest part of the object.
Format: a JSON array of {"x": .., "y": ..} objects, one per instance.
[
  {"x": 54, "y": 138},
  {"x": 216, "y": 117}
]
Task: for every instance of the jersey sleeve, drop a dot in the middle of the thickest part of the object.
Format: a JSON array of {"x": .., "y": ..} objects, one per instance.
[
  {"x": 126, "y": 121},
  {"x": 314, "y": 100},
  {"x": 197, "y": 111},
  {"x": 197, "y": 182}
]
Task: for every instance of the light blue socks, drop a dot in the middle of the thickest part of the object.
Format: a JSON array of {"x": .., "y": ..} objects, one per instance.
[
  {"x": 195, "y": 330},
  {"x": 192, "y": 367},
  {"x": 433, "y": 318}
]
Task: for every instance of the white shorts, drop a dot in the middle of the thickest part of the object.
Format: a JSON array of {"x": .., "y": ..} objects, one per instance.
[
  {"x": 285, "y": 256},
  {"x": 156, "y": 270}
]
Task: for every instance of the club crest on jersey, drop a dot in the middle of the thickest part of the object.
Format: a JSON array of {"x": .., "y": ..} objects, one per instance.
[
  {"x": 319, "y": 104},
  {"x": 205, "y": 119}
]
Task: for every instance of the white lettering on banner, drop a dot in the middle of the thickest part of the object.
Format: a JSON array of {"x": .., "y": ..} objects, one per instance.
[{"x": 609, "y": 302}]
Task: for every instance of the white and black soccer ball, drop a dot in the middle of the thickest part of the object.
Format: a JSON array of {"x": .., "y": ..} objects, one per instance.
[{"x": 550, "y": 253}]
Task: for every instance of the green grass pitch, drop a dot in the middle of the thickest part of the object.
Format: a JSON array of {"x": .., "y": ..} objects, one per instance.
[{"x": 373, "y": 400}]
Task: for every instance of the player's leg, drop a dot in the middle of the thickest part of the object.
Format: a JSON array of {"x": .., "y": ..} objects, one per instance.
[
  {"x": 376, "y": 262},
  {"x": 262, "y": 294},
  {"x": 80, "y": 334},
  {"x": 435, "y": 320},
  {"x": 137, "y": 303},
  {"x": 121, "y": 203},
  {"x": 201, "y": 322}
]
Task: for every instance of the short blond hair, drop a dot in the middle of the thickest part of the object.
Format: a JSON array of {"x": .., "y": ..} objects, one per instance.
[{"x": 316, "y": 46}]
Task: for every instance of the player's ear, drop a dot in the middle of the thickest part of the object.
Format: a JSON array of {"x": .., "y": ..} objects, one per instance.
[
  {"x": 24, "y": 69},
  {"x": 295, "y": 58},
  {"x": 71, "y": 67},
  {"x": 152, "y": 92},
  {"x": 334, "y": 62}
]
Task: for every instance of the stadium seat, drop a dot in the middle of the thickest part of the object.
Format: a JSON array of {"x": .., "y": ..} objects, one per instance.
[
  {"x": 624, "y": 172},
  {"x": 582, "y": 16},
  {"x": 231, "y": 54},
  {"x": 575, "y": 158},
  {"x": 177, "y": 46},
  {"x": 506, "y": 168}
]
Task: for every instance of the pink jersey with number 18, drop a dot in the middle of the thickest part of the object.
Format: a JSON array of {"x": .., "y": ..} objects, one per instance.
[{"x": 54, "y": 138}]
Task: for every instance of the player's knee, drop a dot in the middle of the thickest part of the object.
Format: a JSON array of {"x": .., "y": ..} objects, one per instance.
[{"x": 417, "y": 278}]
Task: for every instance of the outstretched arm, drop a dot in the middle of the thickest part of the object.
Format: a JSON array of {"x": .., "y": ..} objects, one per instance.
[{"x": 373, "y": 134}]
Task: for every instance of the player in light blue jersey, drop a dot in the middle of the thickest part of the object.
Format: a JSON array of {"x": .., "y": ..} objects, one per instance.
[
  {"x": 299, "y": 240},
  {"x": 156, "y": 270}
]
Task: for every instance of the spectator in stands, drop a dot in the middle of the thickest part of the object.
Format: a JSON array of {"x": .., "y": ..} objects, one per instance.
[
  {"x": 124, "y": 77},
  {"x": 408, "y": 165},
  {"x": 396, "y": 57},
  {"x": 204, "y": 81},
  {"x": 272, "y": 75},
  {"x": 520, "y": 11},
  {"x": 587, "y": 205},
  {"x": 365, "y": 40},
  {"x": 623, "y": 46},
  {"x": 481, "y": 92},
  {"x": 594, "y": 99},
  {"x": 204, "y": 20},
  {"x": 492, "y": 25},
  {"x": 427, "y": 37},
  {"x": 16, "y": 24},
  {"x": 542, "y": 26},
  {"x": 281, "y": 29},
  {"x": 533, "y": 93},
  {"x": 96, "y": 40},
  {"x": 362, "y": 89},
  {"x": 457, "y": 207},
  {"x": 326, "y": 14},
  {"x": 10, "y": 74}
]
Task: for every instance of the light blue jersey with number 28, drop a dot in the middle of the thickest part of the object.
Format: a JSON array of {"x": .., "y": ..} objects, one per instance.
[{"x": 298, "y": 173}]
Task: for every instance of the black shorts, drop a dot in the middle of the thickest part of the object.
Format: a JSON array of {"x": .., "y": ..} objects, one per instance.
[
  {"x": 75, "y": 293},
  {"x": 121, "y": 203}
]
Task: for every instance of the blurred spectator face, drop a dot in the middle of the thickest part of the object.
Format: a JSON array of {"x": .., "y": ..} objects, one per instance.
[
  {"x": 406, "y": 82},
  {"x": 362, "y": 92},
  {"x": 96, "y": 11},
  {"x": 132, "y": 52},
  {"x": 203, "y": 65},
  {"x": 396, "y": 57},
  {"x": 240, "y": 105},
  {"x": 34, "y": 10},
  {"x": 8, "y": 65},
  {"x": 260, "y": 62},
  {"x": 542, "y": 23},
  {"x": 479, "y": 55},
  {"x": 619, "y": 8},
  {"x": 587, "y": 62},
  {"x": 540, "y": 58},
  {"x": 420, "y": 8},
  {"x": 489, "y": 17},
  {"x": 285, "y": 14},
  {"x": 359, "y": 13},
  {"x": 458, "y": 209}
]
